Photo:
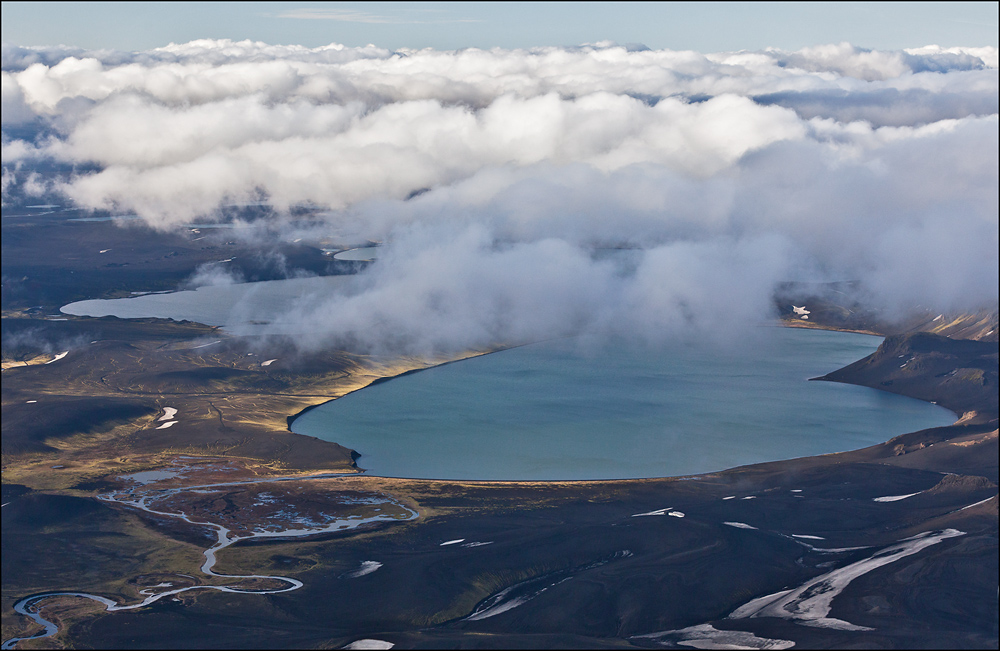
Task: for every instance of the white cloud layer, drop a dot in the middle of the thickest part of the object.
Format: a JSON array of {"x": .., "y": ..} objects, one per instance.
[{"x": 734, "y": 171}]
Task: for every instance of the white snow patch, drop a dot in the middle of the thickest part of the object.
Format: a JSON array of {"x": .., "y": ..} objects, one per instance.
[
  {"x": 801, "y": 311},
  {"x": 752, "y": 606},
  {"x": 750, "y": 497},
  {"x": 368, "y": 643},
  {"x": 104, "y": 250},
  {"x": 731, "y": 497},
  {"x": 268, "y": 362},
  {"x": 168, "y": 413},
  {"x": 810, "y": 603},
  {"x": 208, "y": 344},
  {"x": 367, "y": 567},
  {"x": 706, "y": 636},
  {"x": 58, "y": 357},
  {"x": 807, "y": 537},
  {"x": 977, "y": 503},
  {"x": 501, "y": 607},
  {"x": 30, "y": 401},
  {"x": 656, "y": 512},
  {"x": 676, "y": 514},
  {"x": 894, "y": 498},
  {"x": 938, "y": 317},
  {"x": 739, "y": 525},
  {"x": 452, "y": 542},
  {"x": 168, "y": 424},
  {"x": 795, "y": 490},
  {"x": 477, "y": 544}
]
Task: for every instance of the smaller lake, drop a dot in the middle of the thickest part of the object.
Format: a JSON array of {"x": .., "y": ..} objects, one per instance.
[
  {"x": 364, "y": 253},
  {"x": 552, "y": 411},
  {"x": 246, "y": 307}
]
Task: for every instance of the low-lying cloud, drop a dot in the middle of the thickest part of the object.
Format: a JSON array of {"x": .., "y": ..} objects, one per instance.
[{"x": 493, "y": 176}]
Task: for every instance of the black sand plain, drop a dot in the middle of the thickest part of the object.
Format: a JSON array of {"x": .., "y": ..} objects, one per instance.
[{"x": 567, "y": 564}]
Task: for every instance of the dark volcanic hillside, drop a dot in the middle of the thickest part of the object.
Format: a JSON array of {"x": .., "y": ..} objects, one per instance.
[
  {"x": 838, "y": 306},
  {"x": 958, "y": 374}
]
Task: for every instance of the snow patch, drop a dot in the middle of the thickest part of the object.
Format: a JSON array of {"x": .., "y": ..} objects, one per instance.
[
  {"x": 977, "y": 503},
  {"x": 894, "y": 498},
  {"x": 367, "y": 567},
  {"x": 656, "y": 512},
  {"x": 368, "y": 643},
  {"x": 810, "y": 603},
  {"x": 706, "y": 636}
]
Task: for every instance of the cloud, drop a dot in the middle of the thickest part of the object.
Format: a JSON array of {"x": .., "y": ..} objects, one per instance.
[
  {"x": 213, "y": 274},
  {"x": 873, "y": 65},
  {"x": 499, "y": 179},
  {"x": 452, "y": 287},
  {"x": 164, "y": 164},
  {"x": 886, "y": 106}
]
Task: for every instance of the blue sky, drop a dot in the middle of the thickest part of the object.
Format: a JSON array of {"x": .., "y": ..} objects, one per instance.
[{"x": 698, "y": 26}]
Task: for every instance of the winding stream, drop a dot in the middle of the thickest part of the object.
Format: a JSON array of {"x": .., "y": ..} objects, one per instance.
[{"x": 29, "y": 605}]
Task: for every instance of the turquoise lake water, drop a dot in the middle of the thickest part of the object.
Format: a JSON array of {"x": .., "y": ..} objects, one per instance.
[{"x": 554, "y": 411}]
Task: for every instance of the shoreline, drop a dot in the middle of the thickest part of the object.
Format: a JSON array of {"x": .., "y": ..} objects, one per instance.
[
  {"x": 385, "y": 378},
  {"x": 687, "y": 477}
]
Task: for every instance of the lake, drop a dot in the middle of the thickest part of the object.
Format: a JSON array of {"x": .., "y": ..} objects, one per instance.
[
  {"x": 244, "y": 308},
  {"x": 364, "y": 253},
  {"x": 556, "y": 411}
]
